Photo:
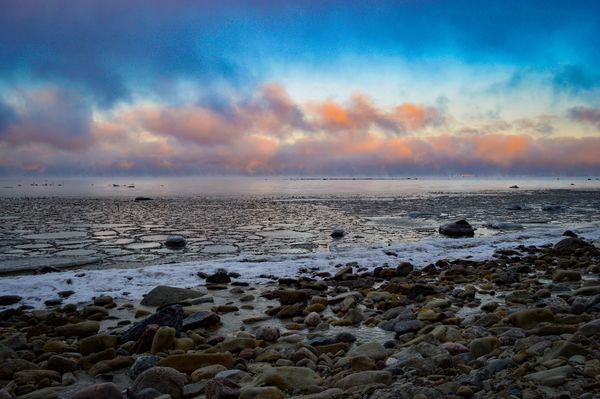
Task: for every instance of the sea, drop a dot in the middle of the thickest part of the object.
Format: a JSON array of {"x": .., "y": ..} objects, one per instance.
[{"x": 265, "y": 228}]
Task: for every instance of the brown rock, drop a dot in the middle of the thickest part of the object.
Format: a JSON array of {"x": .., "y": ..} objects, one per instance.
[
  {"x": 530, "y": 318},
  {"x": 97, "y": 343},
  {"x": 83, "y": 329},
  {"x": 189, "y": 362}
]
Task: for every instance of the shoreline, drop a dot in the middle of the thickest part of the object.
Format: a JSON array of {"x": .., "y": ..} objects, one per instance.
[
  {"x": 134, "y": 280},
  {"x": 526, "y": 324},
  {"x": 126, "y": 232}
]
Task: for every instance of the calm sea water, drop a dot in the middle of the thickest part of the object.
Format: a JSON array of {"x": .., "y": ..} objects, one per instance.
[{"x": 275, "y": 187}]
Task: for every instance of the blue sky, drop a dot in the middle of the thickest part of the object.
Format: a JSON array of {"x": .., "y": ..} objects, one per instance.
[{"x": 302, "y": 87}]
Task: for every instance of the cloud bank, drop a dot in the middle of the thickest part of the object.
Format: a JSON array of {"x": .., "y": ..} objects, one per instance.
[{"x": 267, "y": 132}]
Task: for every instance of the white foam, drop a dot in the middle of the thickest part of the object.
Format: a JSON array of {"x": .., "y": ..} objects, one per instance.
[{"x": 133, "y": 283}]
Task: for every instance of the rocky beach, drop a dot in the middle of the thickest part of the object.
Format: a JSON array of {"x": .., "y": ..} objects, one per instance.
[
  {"x": 523, "y": 324},
  {"x": 299, "y": 199}
]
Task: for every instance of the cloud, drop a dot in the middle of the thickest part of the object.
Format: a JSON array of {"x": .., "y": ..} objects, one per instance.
[
  {"x": 56, "y": 117},
  {"x": 585, "y": 115},
  {"x": 361, "y": 114},
  {"x": 267, "y": 132},
  {"x": 7, "y": 115},
  {"x": 111, "y": 49}
]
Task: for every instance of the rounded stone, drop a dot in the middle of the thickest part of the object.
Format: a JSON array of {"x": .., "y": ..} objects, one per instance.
[
  {"x": 268, "y": 333},
  {"x": 165, "y": 380},
  {"x": 163, "y": 340},
  {"x": 106, "y": 390},
  {"x": 175, "y": 241}
]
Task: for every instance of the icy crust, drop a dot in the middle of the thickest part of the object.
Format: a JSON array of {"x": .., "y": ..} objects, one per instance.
[{"x": 133, "y": 283}]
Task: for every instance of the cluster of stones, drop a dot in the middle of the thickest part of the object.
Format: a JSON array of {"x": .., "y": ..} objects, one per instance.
[{"x": 525, "y": 325}]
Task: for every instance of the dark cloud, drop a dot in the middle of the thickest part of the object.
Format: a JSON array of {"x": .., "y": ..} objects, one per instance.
[
  {"x": 56, "y": 117},
  {"x": 107, "y": 48},
  {"x": 585, "y": 115},
  {"x": 112, "y": 48}
]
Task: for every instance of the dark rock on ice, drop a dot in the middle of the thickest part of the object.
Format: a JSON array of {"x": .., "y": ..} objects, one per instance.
[
  {"x": 504, "y": 226},
  {"x": 461, "y": 228},
  {"x": 175, "y": 241},
  {"x": 219, "y": 277},
  {"x": 553, "y": 208},
  {"x": 338, "y": 233}
]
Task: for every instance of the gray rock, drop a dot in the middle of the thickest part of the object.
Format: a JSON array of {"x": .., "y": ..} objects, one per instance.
[
  {"x": 107, "y": 390},
  {"x": 165, "y": 295},
  {"x": 200, "y": 319},
  {"x": 405, "y": 390},
  {"x": 591, "y": 328},
  {"x": 406, "y": 326},
  {"x": 268, "y": 333},
  {"x": 142, "y": 364},
  {"x": 373, "y": 350},
  {"x": 551, "y": 377},
  {"x": 148, "y": 393},
  {"x": 365, "y": 378},
  {"x": 298, "y": 378},
  {"x": 164, "y": 379}
]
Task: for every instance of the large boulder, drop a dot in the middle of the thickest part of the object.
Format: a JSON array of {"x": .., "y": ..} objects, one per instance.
[
  {"x": 460, "y": 228},
  {"x": 165, "y": 295}
]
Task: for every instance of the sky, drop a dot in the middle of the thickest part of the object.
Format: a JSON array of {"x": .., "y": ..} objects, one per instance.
[{"x": 303, "y": 87}]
